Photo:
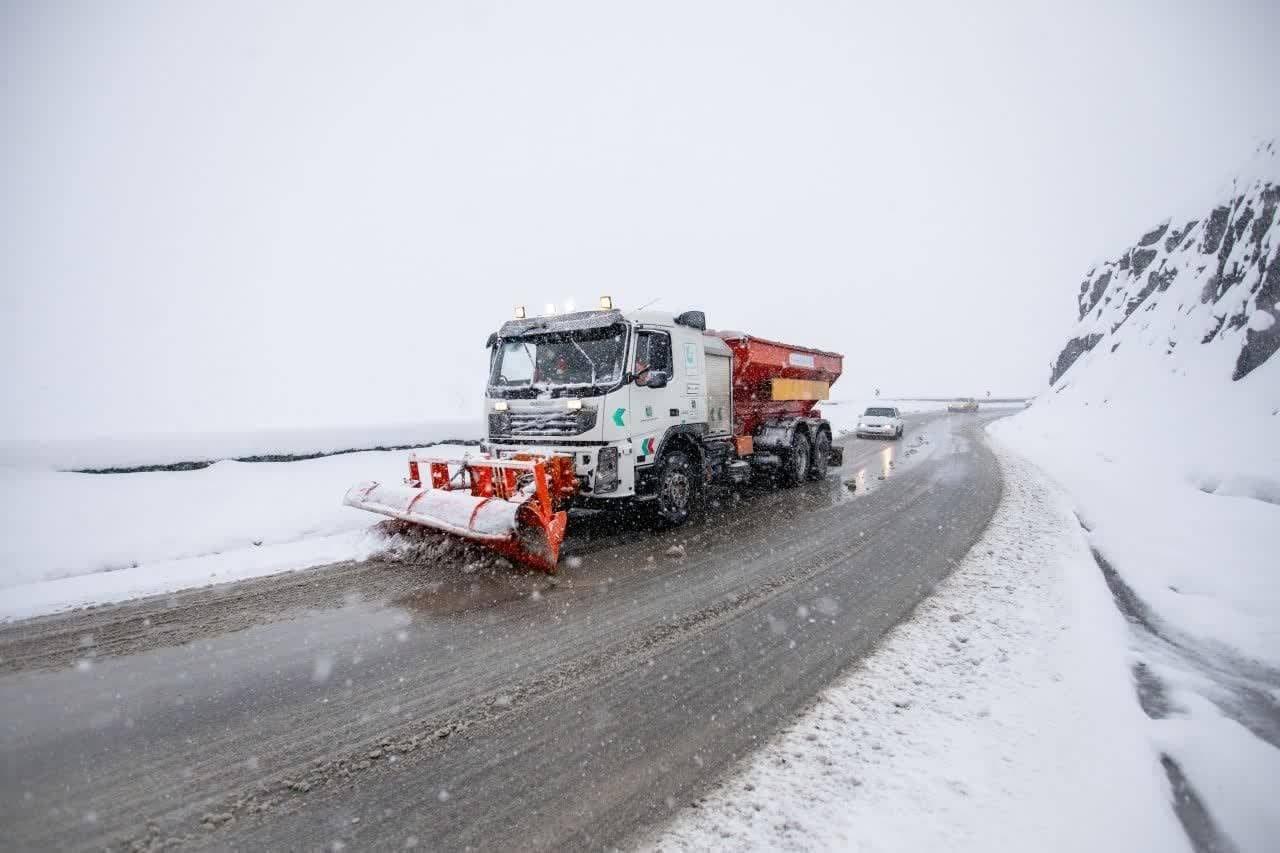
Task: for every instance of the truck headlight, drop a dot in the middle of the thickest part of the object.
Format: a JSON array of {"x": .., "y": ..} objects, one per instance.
[{"x": 607, "y": 479}]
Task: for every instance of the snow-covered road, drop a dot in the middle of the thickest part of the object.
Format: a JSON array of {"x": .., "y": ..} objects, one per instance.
[
  {"x": 285, "y": 707},
  {"x": 1002, "y": 713}
]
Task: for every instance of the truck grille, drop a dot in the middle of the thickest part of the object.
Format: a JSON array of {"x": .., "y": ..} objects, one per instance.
[{"x": 551, "y": 422}]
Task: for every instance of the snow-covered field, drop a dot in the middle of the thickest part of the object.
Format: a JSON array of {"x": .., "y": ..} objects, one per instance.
[
  {"x": 68, "y": 540},
  {"x": 140, "y": 450},
  {"x": 999, "y": 716}
]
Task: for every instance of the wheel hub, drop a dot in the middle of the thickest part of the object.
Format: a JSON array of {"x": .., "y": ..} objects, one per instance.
[{"x": 675, "y": 490}]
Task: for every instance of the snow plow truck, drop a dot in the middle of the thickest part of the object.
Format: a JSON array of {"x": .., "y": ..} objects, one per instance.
[{"x": 603, "y": 409}]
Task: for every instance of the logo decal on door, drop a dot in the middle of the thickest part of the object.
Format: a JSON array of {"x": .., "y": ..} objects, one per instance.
[{"x": 647, "y": 446}]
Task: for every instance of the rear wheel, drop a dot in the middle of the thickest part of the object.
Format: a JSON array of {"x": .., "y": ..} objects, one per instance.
[
  {"x": 821, "y": 456},
  {"x": 795, "y": 466},
  {"x": 678, "y": 489}
]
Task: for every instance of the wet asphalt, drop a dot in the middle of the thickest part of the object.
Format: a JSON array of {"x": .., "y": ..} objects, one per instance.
[{"x": 385, "y": 704}]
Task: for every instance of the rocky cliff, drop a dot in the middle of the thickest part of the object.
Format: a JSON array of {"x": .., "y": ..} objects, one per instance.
[{"x": 1211, "y": 280}]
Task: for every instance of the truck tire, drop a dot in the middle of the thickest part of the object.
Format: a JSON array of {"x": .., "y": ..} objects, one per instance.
[
  {"x": 678, "y": 489},
  {"x": 821, "y": 457},
  {"x": 795, "y": 465}
]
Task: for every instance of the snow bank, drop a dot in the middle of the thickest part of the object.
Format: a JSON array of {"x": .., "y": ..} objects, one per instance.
[
  {"x": 1176, "y": 474},
  {"x": 136, "y": 451},
  {"x": 1000, "y": 716},
  {"x": 73, "y": 539}
]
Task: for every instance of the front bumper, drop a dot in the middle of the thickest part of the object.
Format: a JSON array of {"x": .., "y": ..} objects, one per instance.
[
  {"x": 886, "y": 429},
  {"x": 586, "y": 462}
]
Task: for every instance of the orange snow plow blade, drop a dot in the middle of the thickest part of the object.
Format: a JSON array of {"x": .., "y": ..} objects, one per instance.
[{"x": 510, "y": 505}]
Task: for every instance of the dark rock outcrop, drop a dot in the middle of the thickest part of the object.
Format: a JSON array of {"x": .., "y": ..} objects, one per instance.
[
  {"x": 1215, "y": 229},
  {"x": 1142, "y": 259},
  {"x": 1075, "y": 348},
  {"x": 1260, "y": 345},
  {"x": 1153, "y": 235}
]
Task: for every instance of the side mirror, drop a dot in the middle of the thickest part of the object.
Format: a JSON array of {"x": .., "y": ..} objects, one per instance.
[
  {"x": 655, "y": 379},
  {"x": 492, "y": 342}
]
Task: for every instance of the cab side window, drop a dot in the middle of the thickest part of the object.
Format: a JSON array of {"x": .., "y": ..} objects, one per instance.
[{"x": 653, "y": 353}]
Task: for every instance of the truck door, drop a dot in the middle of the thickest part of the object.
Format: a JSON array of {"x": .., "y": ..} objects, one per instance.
[{"x": 654, "y": 409}]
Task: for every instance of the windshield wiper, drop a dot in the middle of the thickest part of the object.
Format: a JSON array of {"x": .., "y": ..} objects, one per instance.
[{"x": 579, "y": 348}]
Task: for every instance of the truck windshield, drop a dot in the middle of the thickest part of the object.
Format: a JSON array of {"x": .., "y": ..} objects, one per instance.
[{"x": 562, "y": 361}]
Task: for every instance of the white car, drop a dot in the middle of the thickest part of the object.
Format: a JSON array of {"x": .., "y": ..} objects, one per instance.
[{"x": 880, "y": 422}]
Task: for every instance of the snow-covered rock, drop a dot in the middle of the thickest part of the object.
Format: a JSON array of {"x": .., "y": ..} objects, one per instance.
[{"x": 1210, "y": 280}]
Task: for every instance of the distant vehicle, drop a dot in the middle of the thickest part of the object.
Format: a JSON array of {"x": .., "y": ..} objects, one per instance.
[
  {"x": 966, "y": 404},
  {"x": 880, "y": 422}
]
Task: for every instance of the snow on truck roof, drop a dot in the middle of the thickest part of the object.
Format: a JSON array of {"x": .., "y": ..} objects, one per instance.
[
  {"x": 576, "y": 322},
  {"x": 583, "y": 320}
]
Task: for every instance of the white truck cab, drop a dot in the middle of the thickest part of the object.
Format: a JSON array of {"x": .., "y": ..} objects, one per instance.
[{"x": 608, "y": 388}]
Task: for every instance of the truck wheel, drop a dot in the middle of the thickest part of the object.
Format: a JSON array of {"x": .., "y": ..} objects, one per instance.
[
  {"x": 821, "y": 457},
  {"x": 795, "y": 467},
  {"x": 678, "y": 489}
]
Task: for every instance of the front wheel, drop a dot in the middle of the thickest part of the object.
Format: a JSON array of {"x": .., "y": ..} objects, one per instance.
[
  {"x": 795, "y": 467},
  {"x": 678, "y": 488}
]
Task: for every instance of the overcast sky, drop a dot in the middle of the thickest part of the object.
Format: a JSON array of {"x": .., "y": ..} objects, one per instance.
[{"x": 246, "y": 215}]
